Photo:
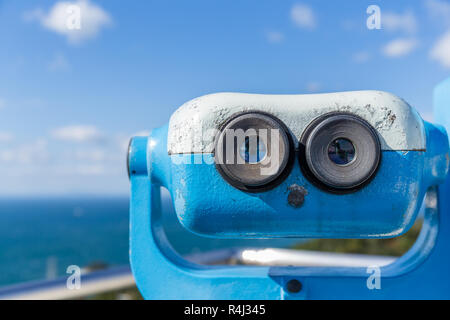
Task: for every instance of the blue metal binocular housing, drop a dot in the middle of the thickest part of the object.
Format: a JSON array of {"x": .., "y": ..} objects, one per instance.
[
  {"x": 395, "y": 157},
  {"x": 340, "y": 165}
]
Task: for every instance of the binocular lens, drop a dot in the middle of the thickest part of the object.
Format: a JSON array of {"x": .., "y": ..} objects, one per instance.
[
  {"x": 340, "y": 152},
  {"x": 253, "y": 152}
]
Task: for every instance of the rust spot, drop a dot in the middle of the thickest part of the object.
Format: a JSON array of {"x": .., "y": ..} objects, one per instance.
[
  {"x": 419, "y": 150},
  {"x": 296, "y": 196},
  {"x": 392, "y": 118}
]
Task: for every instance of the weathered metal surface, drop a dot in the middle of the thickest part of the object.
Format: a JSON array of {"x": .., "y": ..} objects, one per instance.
[
  {"x": 193, "y": 126},
  {"x": 206, "y": 204}
]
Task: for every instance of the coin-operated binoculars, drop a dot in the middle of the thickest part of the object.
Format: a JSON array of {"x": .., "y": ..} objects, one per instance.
[{"x": 340, "y": 165}]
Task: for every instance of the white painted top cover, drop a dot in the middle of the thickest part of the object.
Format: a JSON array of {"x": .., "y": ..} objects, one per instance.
[{"x": 193, "y": 126}]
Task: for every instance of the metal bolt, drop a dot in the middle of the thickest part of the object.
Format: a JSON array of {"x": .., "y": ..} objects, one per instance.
[
  {"x": 296, "y": 196},
  {"x": 294, "y": 286}
]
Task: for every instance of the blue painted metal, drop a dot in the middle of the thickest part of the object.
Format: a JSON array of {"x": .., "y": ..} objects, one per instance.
[
  {"x": 403, "y": 179},
  {"x": 372, "y": 212}
]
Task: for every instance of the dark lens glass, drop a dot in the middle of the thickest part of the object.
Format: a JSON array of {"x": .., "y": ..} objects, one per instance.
[
  {"x": 341, "y": 151},
  {"x": 244, "y": 147},
  {"x": 253, "y": 150}
]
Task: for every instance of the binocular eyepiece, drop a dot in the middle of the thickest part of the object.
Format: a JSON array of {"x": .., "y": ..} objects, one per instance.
[
  {"x": 338, "y": 152},
  {"x": 308, "y": 166},
  {"x": 346, "y": 165},
  {"x": 254, "y": 152}
]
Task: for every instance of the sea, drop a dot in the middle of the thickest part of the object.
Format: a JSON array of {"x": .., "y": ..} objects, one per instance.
[{"x": 40, "y": 238}]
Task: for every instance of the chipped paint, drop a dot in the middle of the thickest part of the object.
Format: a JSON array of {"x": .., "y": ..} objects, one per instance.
[
  {"x": 193, "y": 126},
  {"x": 179, "y": 200}
]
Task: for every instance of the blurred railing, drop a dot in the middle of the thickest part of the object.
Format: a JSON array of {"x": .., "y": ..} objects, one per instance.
[
  {"x": 119, "y": 278},
  {"x": 91, "y": 283}
]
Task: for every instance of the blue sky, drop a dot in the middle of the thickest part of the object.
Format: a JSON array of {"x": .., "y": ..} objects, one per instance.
[{"x": 70, "y": 99}]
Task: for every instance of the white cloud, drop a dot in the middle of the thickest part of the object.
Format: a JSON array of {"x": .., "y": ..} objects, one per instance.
[
  {"x": 406, "y": 22},
  {"x": 6, "y": 137},
  {"x": 48, "y": 168},
  {"x": 90, "y": 169},
  {"x": 94, "y": 155},
  {"x": 361, "y": 57},
  {"x": 303, "y": 16},
  {"x": 77, "y": 133},
  {"x": 60, "y": 19},
  {"x": 441, "y": 50},
  {"x": 313, "y": 86},
  {"x": 439, "y": 10},
  {"x": 274, "y": 37},
  {"x": 399, "y": 47},
  {"x": 59, "y": 63},
  {"x": 142, "y": 133},
  {"x": 30, "y": 153}
]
